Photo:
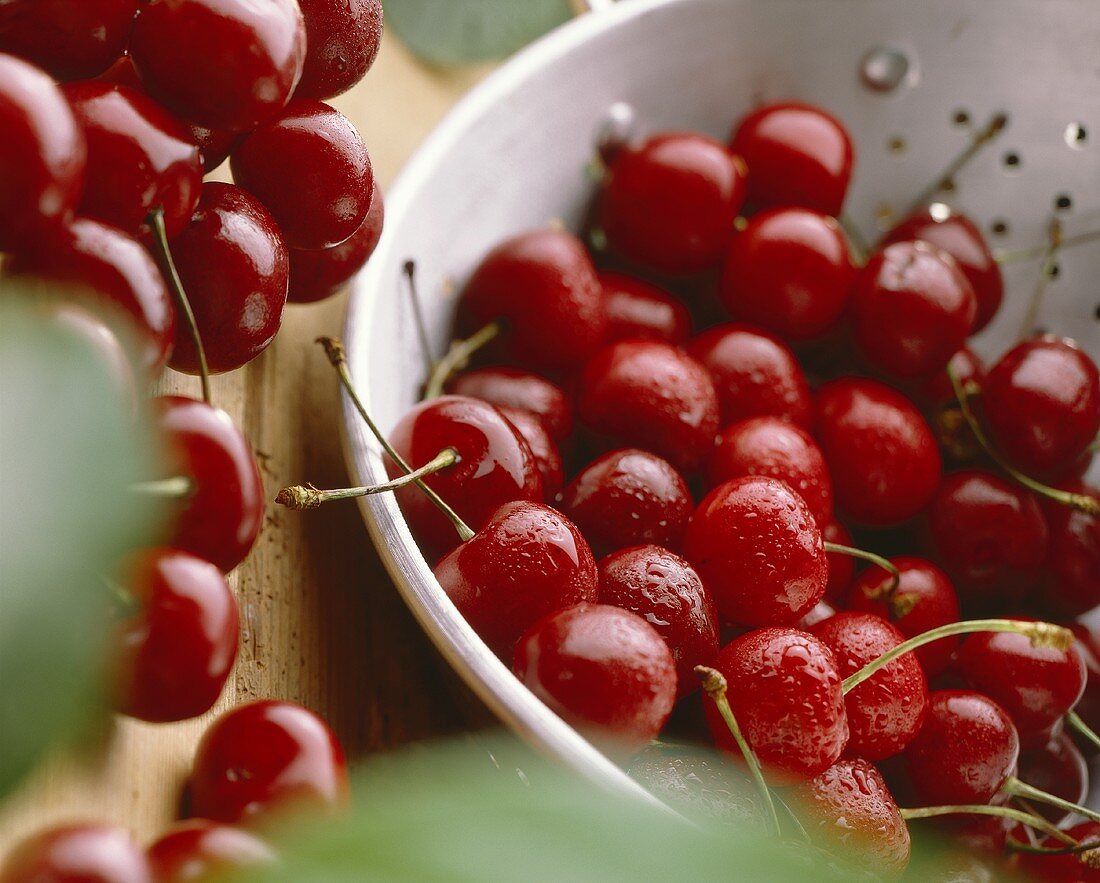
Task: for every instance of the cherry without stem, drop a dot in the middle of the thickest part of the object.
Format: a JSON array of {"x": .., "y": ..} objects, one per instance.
[
  {"x": 342, "y": 41},
  {"x": 71, "y": 41},
  {"x": 316, "y": 274},
  {"x": 197, "y": 849},
  {"x": 639, "y": 310},
  {"x": 88, "y": 853},
  {"x": 509, "y": 387}
]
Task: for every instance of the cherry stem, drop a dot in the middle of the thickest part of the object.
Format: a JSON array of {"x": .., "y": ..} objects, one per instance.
[
  {"x": 175, "y": 488},
  {"x": 1011, "y": 255},
  {"x": 124, "y": 599},
  {"x": 338, "y": 358},
  {"x": 851, "y": 551},
  {"x": 302, "y": 497},
  {"x": 1050, "y": 262},
  {"x": 859, "y": 246},
  {"x": 984, "y": 809},
  {"x": 168, "y": 266},
  {"x": 1016, "y": 846},
  {"x": 1082, "y": 502},
  {"x": 418, "y": 318},
  {"x": 1041, "y": 634},
  {"x": 458, "y": 357},
  {"x": 1076, "y": 723},
  {"x": 978, "y": 140},
  {"x": 714, "y": 685},
  {"x": 1016, "y": 788}
]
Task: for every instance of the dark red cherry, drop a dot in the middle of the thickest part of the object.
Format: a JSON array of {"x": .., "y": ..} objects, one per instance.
[
  {"x": 670, "y": 203},
  {"x": 964, "y": 752},
  {"x": 1070, "y": 582},
  {"x": 505, "y": 386},
  {"x": 222, "y": 515},
  {"x": 1087, "y": 643},
  {"x": 784, "y": 690},
  {"x": 841, "y": 567},
  {"x": 496, "y": 466},
  {"x": 139, "y": 158},
  {"x": 42, "y": 154},
  {"x": 267, "y": 757},
  {"x": 89, "y": 853},
  {"x": 629, "y": 497},
  {"x": 790, "y": 271},
  {"x": 639, "y": 310},
  {"x": 1059, "y": 769},
  {"x": 797, "y": 154},
  {"x": 543, "y": 448},
  {"x": 773, "y": 447},
  {"x": 881, "y": 453},
  {"x": 988, "y": 533},
  {"x": 234, "y": 267},
  {"x": 937, "y": 391},
  {"x": 176, "y": 652},
  {"x": 663, "y": 589},
  {"x": 653, "y": 396},
  {"x": 319, "y": 273},
  {"x": 760, "y": 554},
  {"x": 849, "y": 810},
  {"x": 1041, "y": 402},
  {"x": 960, "y": 237},
  {"x": 1069, "y": 867},
  {"x": 226, "y": 64},
  {"x": 755, "y": 374},
  {"x": 342, "y": 40},
  {"x": 885, "y": 711},
  {"x": 924, "y": 599},
  {"x": 72, "y": 41},
  {"x": 198, "y": 849},
  {"x": 560, "y": 319},
  {"x": 603, "y": 670}
]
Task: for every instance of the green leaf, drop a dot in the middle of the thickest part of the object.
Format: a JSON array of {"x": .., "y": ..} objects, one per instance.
[{"x": 451, "y": 32}]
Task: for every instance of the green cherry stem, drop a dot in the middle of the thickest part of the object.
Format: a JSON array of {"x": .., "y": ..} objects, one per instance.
[
  {"x": 863, "y": 554},
  {"x": 175, "y": 488},
  {"x": 984, "y": 809},
  {"x": 1016, "y": 846},
  {"x": 458, "y": 357},
  {"x": 418, "y": 318},
  {"x": 1046, "y": 273},
  {"x": 1016, "y": 788},
  {"x": 1009, "y": 256},
  {"x": 1075, "y": 722},
  {"x": 856, "y": 241}
]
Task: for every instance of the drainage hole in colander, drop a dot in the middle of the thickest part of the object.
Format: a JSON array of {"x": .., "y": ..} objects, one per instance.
[
  {"x": 1063, "y": 202},
  {"x": 1076, "y": 135},
  {"x": 896, "y": 145},
  {"x": 1012, "y": 161},
  {"x": 999, "y": 227},
  {"x": 960, "y": 118}
]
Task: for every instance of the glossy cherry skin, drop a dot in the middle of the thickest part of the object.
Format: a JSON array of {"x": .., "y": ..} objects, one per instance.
[
  {"x": 937, "y": 391},
  {"x": 88, "y": 853},
  {"x": 197, "y": 849},
  {"x": 653, "y": 396},
  {"x": 821, "y": 611},
  {"x": 987, "y": 533},
  {"x": 42, "y": 152},
  {"x": 885, "y": 711},
  {"x": 629, "y": 497},
  {"x": 784, "y": 690},
  {"x": 223, "y": 64},
  {"x": 756, "y": 546},
  {"x": 221, "y": 517},
  {"x": 603, "y": 670},
  {"x": 560, "y": 318},
  {"x": 1070, "y": 583},
  {"x": 881, "y": 453},
  {"x": 1057, "y": 768},
  {"x": 841, "y": 567},
  {"x": 639, "y": 310},
  {"x": 755, "y": 374},
  {"x": 849, "y": 809},
  {"x": 543, "y": 448},
  {"x": 70, "y": 40},
  {"x": 1066, "y": 868},
  {"x": 235, "y": 269},
  {"x": 505, "y": 386},
  {"x": 773, "y": 447},
  {"x": 964, "y": 752},
  {"x": 663, "y": 589},
  {"x": 1041, "y": 403},
  {"x": 266, "y": 757},
  {"x": 1087, "y": 643},
  {"x": 789, "y": 270},
  {"x": 342, "y": 41},
  {"x": 670, "y": 203},
  {"x": 924, "y": 599},
  {"x": 139, "y": 158},
  {"x": 797, "y": 154},
  {"x": 316, "y": 274}
]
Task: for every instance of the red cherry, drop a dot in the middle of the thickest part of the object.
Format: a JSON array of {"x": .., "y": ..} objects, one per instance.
[
  {"x": 755, "y": 374},
  {"x": 543, "y": 448},
  {"x": 885, "y": 711},
  {"x": 670, "y": 203},
  {"x": 139, "y": 158},
  {"x": 924, "y": 599},
  {"x": 222, "y": 515},
  {"x": 629, "y": 497},
  {"x": 1059, "y": 769},
  {"x": 988, "y": 534},
  {"x": 775, "y": 448},
  {"x": 653, "y": 396},
  {"x": 937, "y": 391},
  {"x": 89, "y": 853},
  {"x": 342, "y": 41},
  {"x": 603, "y": 670},
  {"x": 784, "y": 690},
  {"x": 964, "y": 752},
  {"x": 756, "y": 546},
  {"x": 663, "y": 589},
  {"x": 638, "y": 310},
  {"x": 42, "y": 154},
  {"x": 234, "y": 268},
  {"x": 496, "y": 466},
  {"x": 1070, "y": 581},
  {"x": 960, "y": 237},
  {"x": 71, "y": 41},
  {"x": 1087, "y": 643},
  {"x": 509, "y": 387},
  {"x": 560, "y": 319},
  {"x": 316, "y": 274},
  {"x": 197, "y": 849},
  {"x": 841, "y": 567},
  {"x": 1041, "y": 402},
  {"x": 849, "y": 810},
  {"x": 789, "y": 270},
  {"x": 797, "y": 154},
  {"x": 881, "y": 454},
  {"x": 1066, "y": 868},
  {"x": 267, "y": 757},
  {"x": 225, "y": 64}
]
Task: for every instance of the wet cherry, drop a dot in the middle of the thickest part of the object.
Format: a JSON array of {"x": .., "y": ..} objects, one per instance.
[
  {"x": 88, "y": 853},
  {"x": 1059, "y": 769},
  {"x": 502, "y": 385},
  {"x": 821, "y": 611},
  {"x": 1070, "y": 583},
  {"x": 841, "y": 567},
  {"x": 543, "y": 448},
  {"x": 937, "y": 391},
  {"x": 639, "y": 310},
  {"x": 342, "y": 41},
  {"x": 319, "y": 273},
  {"x": 197, "y": 849}
]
